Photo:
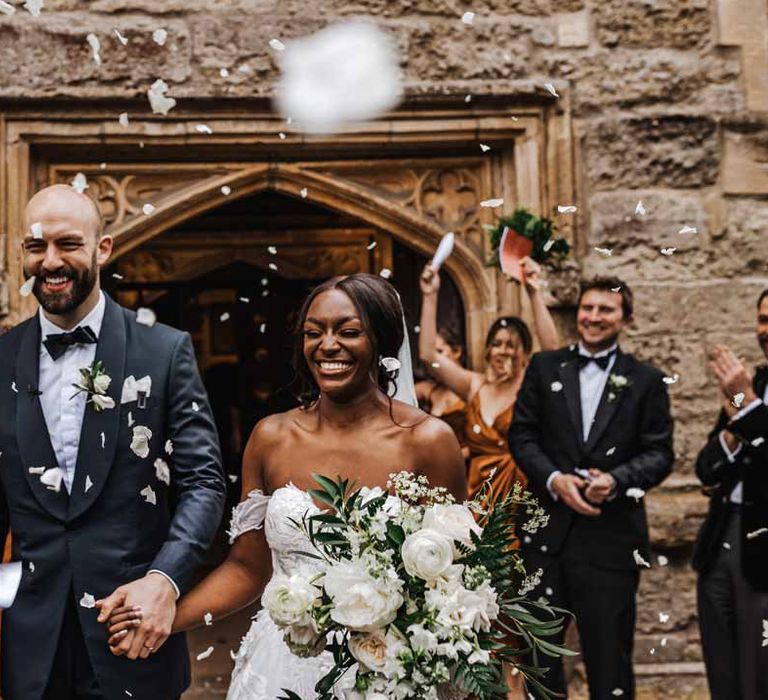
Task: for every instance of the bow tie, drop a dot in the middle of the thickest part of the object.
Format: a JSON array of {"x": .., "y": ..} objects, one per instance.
[
  {"x": 57, "y": 343},
  {"x": 601, "y": 362}
]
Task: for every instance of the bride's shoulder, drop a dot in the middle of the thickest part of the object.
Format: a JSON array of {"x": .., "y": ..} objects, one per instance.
[
  {"x": 274, "y": 427},
  {"x": 424, "y": 429}
]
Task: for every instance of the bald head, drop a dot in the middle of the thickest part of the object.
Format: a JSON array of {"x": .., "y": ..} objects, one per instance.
[{"x": 61, "y": 205}]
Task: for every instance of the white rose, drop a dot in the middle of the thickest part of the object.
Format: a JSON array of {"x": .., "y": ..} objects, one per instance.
[
  {"x": 370, "y": 649},
  {"x": 463, "y": 609},
  {"x": 455, "y": 521},
  {"x": 304, "y": 640},
  {"x": 102, "y": 402},
  {"x": 361, "y": 602},
  {"x": 289, "y": 600},
  {"x": 427, "y": 554},
  {"x": 101, "y": 383}
]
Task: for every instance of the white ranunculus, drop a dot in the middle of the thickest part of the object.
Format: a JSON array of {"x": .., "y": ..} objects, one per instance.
[
  {"x": 454, "y": 520},
  {"x": 370, "y": 649},
  {"x": 289, "y": 600},
  {"x": 101, "y": 383},
  {"x": 463, "y": 609},
  {"x": 427, "y": 554},
  {"x": 102, "y": 402},
  {"x": 361, "y": 602}
]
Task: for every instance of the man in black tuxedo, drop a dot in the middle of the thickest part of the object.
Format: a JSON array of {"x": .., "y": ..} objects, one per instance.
[
  {"x": 88, "y": 478},
  {"x": 731, "y": 553},
  {"x": 592, "y": 431}
]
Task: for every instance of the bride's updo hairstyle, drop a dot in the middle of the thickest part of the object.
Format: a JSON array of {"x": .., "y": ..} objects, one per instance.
[{"x": 381, "y": 316}]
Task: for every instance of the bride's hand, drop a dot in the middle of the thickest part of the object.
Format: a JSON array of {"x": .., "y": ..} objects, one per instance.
[{"x": 120, "y": 623}]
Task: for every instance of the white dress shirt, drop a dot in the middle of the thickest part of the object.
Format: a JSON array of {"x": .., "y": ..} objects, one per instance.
[
  {"x": 592, "y": 381},
  {"x": 737, "y": 495},
  {"x": 63, "y": 410}
]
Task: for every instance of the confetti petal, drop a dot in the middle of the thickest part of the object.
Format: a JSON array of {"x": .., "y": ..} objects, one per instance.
[
  {"x": 120, "y": 37},
  {"x": 162, "y": 471},
  {"x": 566, "y": 209},
  {"x": 550, "y": 88},
  {"x": 146, "y": 317},
  {"x": 668, "y": 251},
  {"x": 205, "y": 654},
  {"x": 662, "y": 560},
  {"x": 492, "y": 203},
  {"x": 160, "y": 36},
  {"x": 687, "y": 229},
  {"x": 6, "y": 8},
  {"x": 272, "y": 250},
  {"x": 52, "y": 478},
  {"x": 386, "y": 273},
  {"x": 606, "y": 252},
  {"x": 95, "y": 44},
  {"x": 468, "y": 17},
  {"x": 87, "y": 601},
  {"x": 640, "y": 209},
  {"x": 88, "y": 483},
  {"x": 140, "y": 441},
  {"x": 26, "y": 289},
  {"x": 148, "y": 209},
  {"x": 168, "y": 447},
  {"x": 80, "y": 183},
  {"x": 158, "y": 100},
  {"x": 149, "y": 495},
  {"x": 226, "y": 190},
  {"x": 36, "y": 229},
  {"x": 208, "y": 619},
  {"x": 203, "y": 129},
  {"x": 304, "y": 192},
  {"x": 671, "y": 380},
  {"x": 224, "y": 317},
  {"x": 276, "y": 45},
  {"x": 635, "y": 493},
  {"x": 34, "y": 7},
  {"x": 123, "y": 119},
  {"x": 639, "y": 561},
  {"x": 484, "y": 148}
]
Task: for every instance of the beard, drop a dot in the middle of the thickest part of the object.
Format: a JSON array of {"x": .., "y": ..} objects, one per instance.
[{"x": 65, "y": 302}]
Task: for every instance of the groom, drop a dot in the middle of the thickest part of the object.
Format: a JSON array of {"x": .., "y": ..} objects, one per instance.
[
  {"x": 118, "y": 484},
  {"x": 592, "y": 432}
]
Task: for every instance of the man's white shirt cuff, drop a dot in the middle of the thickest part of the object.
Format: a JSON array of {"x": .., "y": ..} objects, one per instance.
[
  {"x": 550, "y": 479},
  {"x": 729, "y": 453},
  {"x": 747, "y": 409},
  {"x": 169, "y": 579}
]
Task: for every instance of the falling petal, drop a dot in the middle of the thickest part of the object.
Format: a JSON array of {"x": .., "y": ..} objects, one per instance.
[
  {"x": 162, "y": 471},
  {"x": 386, "y": 273},
  {"x": 26, "y": 289},
  {"x": 52, "y": 478},
  {"x": 687, "y": 229},
  {"x": 95, "y": 44},
  {"x": 468, "y": 17},
  {"x": 224, "y": 317},
  {"x": 663, "y": 618},
  {"x": 120, "y": 37},
  {"x": 756, "y": 533},
  {"x": 208, "y": 619},
  {"x": 160, "y": 36},
  {"x": 272, "y": 267},
  {"x": 263, "y": 328},
  {"x": 195, "y": 406},
  {"x": 123, "y": 119},
  {"x": 371, "y": 246},
  {"x": 205, "y": 654},
  {"x": 88, "y": 483},
  {"x": 468, "y": 99},
  {"x": 146, "y": 317},
  {"x": 160, "y": 103},
  {"x": 245, "y": 300},
  {"x": 80, "y": 183},
  {"x": 169, "y": 447},
  {"x": 272, "y": 250},
  {"x": 639, "y": 561},
  {"x": 149, "y": 495},
  {"x": 492, "y": 203},
  {"x": 738, "y": 399},
  {"x": 203, "y": 129},
  {"x": 304, "y": 192},
  {"x": 668, "y": 251},
  {"x": 37, "y": 470},
  {"x": 607, "y": 252},
  {"x": 636, "y": 493},
  {"x": 148, "y": 209},
  {"x": 87, "y": 601},
  {"x": 640, "y": 210},
  {"x": 550, "y": 88},
  {"x": 226, "y": 190},
  {"x": 6, "y": 8},
  {"x": 671, "y": 380},
  {"x": 662, "y": 560},
  {"x": 224, "y": 72},
  {"x": 34, "y": 7},
  {"x": 565, "y": 209},
  {"x": 484, "y": 148},
  {"x": 276, "y": 45}
]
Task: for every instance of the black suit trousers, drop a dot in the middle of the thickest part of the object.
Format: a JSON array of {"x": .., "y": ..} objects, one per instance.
[{"x": 603, "y": 604}]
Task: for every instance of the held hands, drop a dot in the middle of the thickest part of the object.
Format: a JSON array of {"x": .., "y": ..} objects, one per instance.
[
  {"x": 600, "y": 487},
  {"x": 429, "y": 282},
  {"x": 568, "y": 489},
  {"x": 139, "y": 616},
  {"x": 732, "y": 376}
]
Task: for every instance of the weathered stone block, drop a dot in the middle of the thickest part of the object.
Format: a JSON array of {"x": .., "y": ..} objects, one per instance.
[
  {"x": 670, "y": 151},
  {"x": 573, "y": 29}
]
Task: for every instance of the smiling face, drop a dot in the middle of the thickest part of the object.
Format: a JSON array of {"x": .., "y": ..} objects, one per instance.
[
  {"x": 600, "y": 319},
  {"x": 762, "y": 326},
  {"x": 505, "y": 352},
  {"x": 65, "y": 261},
  {"x": 337, "y": 349}
]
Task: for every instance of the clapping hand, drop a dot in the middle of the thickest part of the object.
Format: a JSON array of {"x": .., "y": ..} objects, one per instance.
[
  {"x": 733, "y": 377},
  {"x": 141, "y": 613}
]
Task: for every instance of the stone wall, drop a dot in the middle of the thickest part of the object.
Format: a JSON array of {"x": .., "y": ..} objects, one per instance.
[{"x": 669, "y": 100}]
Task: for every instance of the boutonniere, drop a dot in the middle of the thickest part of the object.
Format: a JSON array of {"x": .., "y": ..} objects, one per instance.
[
  {"x": 617, "y": 383},
  {"x": 95, "y": 382}
]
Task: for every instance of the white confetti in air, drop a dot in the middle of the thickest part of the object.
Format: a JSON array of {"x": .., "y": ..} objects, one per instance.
[
  {"x": 468, "y": 17},
  {"x": 663, "y": 618},
  {"x": 476, "y": 429},
  {"x": 52, "y": 478},
  {"x": 345, "y": 73},
  {"x": 146, "y": 317},
  {"x": 635, "y": 492},
  {"x": 282, "y": 136},
  {"x": 566, "y": 209},
  {"x": 224, "y": 317},
  {"x": 34, "y": 7},
  {"x": 160, "y": 36},
  {"x": 148, "y": 209},
  {"x": 668, "y": 251},
  {"x": 26, "y": 289},
  {"x": 436, "y": 365},
  {"x": 485, "y": 147},
  {"x": 233, "y": 478},
  {"x": 158, "y": 100},
  {"x": 31, "y": 567},
  {"x": 123, "y": 119},
  {"x": 226, "y": 190},
  {"x": 671, "y": 380},
  {"x": 103, "y": 440},
  {"x": 639, "y": 561},
  {"x": 610, "y": 451},
  {"x": 88, "y": 483},
  {"x": 371, "y": 246},
  {"x": 386, "y": 273},
  {"x": 79, "y": 183},
  {"x": 607, "y": 252},
  {"x": 726, "y": 545},
  {"x": 687, "y": 229},
  {"x": 272, "y": 250},
  {"x": 390, "y": 364},
  {"x": 140, "y": 441},
  {"x": 37, "y": 470},
  {"x": 205, "y": 654},
  {"x": 738, "y": 399},
  {"x": 224, "y": 72},
  {"x": 102, "y": 166},
  {"x": 130, "y": 419},
  {"x": 616, "y": 289},
  {"x": 208, "y": 619},
  {"x": 765, "y": 633},
  {"x": 556, "y": 386},
  {"x": 168, "y": 447},
  {"x": 276, "y": 45},
  {"x": 272, "y": 267},
  {"x": 492, "y": 203},
  {"x": 6, "y": 8},
  {"x": 468, "y": 99},
  {"x": 756, "y": 533},
  {"x": 264, "y": 281},
  {"x": 263, "y": 328},
  {"x": 195, "y": 406},
  {"x": 417, "y": 329},
  {"x": 162, "y": 471},
  {"x": 87, "y": 601},
  {"x": 304, "y": 192},
  {"x": 120, "y": 37},
  {"x": 95, "y": 44},
  {"x": 245, "y": 300},
  {"x": 549, "y": 244},
  {"x": 149, "y": 495},
  {"x": 617, "y": 692},
  {"x": 13, "y": 387},
  {"x": 661, "y": 560},
  {"x": 550, "y": 88},
  {"x": 663, "y": 641},
  {"x": 203, "y": 129},
  {"x": 757, "y": 441},
  {"x": 640, "y": 209}
]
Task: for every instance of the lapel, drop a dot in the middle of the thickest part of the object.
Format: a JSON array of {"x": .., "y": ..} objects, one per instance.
[
  {"x": 569, "y": 377},
  {"x": 760, "y": 381},
  {"x": 607, "y": 409},
  {"x": 93, "y": 460},
  {"x": 31, "y": 430}
]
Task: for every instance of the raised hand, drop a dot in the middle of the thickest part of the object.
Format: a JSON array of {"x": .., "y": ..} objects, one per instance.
[
  {"x": 568, "y": 489},
  {"x": 531, "y": 274},
  {"x": 732, "y": 376},
  {"x": 429, "y": 282},
  {"x": 156, "y": 599}
]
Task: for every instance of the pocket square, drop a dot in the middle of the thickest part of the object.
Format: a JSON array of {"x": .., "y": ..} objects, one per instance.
[{"x": 132, "y": 387}]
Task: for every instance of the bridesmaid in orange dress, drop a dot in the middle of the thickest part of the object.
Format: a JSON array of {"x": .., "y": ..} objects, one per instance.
[{"x": 490, "y": 395}]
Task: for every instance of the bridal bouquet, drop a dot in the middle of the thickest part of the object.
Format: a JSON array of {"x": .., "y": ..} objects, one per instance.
[{"x": 413, "y": 596}]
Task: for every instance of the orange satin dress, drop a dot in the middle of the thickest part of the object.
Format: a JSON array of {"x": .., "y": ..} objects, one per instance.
[{"x": 489, "y": 450}]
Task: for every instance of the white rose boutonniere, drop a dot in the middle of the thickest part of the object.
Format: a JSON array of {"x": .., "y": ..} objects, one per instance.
[
  {"x": 94, "y": 381},
  {"x": 617, "y": 384}
]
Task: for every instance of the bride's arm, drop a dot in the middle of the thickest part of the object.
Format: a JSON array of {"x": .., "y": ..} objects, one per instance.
[{"x": 437, "y": 455}]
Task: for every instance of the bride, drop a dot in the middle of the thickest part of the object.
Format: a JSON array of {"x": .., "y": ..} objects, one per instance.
[{"x": 347, "y": 426}]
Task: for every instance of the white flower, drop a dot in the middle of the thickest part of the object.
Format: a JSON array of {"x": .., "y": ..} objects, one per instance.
[
  {"x": 618, "y": 380},
  {"x": 101, "y": 383},
  {"x": 289, "y": 600},
  {"x": 370, "y": 649},
  {"x": 140, "y": 441},
  {"x": 361, "y": 602},
  {"x": 469, "y": 610},
  {"x": 427, "y": 554},
  {"x": 556, "y": 386},
  {"x": 390, "y": 364},
  {"x": 422, "y": 639},
  {"x": 479, "y": 656},
  {"x": 304, "y": 640},
  {"x": 101, "y": 402},
  {"x": 453, "y": 520}
]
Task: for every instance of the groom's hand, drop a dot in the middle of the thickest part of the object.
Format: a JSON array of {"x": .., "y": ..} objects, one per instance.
[
  {"x": 568, "y": 489},
  {"x": 156, "y": 599}
]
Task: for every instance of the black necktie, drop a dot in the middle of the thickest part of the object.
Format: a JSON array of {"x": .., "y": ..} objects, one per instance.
[
  {"x": 601, "y": 362},
  {"x": 57, "y": 343}
]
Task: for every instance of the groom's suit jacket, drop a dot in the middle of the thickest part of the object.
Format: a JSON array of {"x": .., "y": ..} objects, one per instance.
[
  {"x": 106, "y": 534},
  {"x": 749, "y": 466},
  {"x": 631, "y": 437}
]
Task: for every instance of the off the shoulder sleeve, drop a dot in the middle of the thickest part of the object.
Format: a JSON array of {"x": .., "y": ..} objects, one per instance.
[{"x": 248, "y": 515}]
